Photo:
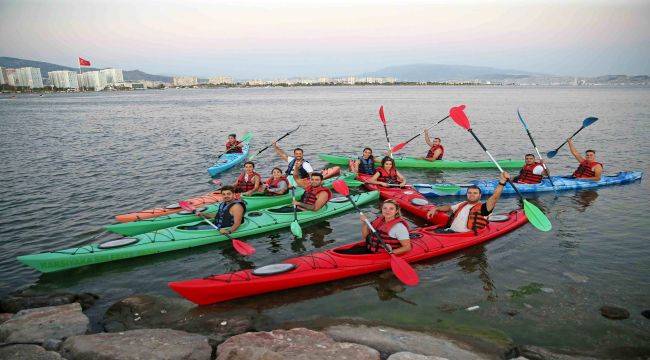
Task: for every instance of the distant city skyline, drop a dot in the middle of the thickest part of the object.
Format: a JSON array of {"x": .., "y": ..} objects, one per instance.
[{"x": 255, "y": 39}]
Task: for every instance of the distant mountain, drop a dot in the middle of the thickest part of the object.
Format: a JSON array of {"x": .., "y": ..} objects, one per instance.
[
  {"x": 129, "y": 75},
  {"x": 439, "y": 72}
]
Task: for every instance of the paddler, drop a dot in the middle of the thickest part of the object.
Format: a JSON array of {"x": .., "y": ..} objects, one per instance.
[
  {"x": 248, "y": 181},
  {"x": 391, "y": 228},
  {"x": 436, "y": 150},
  {"x": 589, "y": 168},
  {"x": 230, "y": 213},
  {"x": 387, "y": 174},
  {"x": 234, "y": 146},
  {"x": 470, "y": 215},
  {"x": 304, "y": 167},
  {"x": 315, "y": 196},
  {"x": 364, "y": 164},
  {"x": 532, "y": 172},
  {"x": 277, "y": 184}
]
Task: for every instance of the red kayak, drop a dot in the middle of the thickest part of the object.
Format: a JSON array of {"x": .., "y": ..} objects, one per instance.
[{"x": 337, "y": 263}]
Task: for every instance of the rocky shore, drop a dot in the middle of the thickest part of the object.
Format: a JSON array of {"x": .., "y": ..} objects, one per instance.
[{"x": 156, "y": 327}]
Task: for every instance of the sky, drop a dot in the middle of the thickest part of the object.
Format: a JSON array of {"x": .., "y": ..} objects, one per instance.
[{"x": 267, "y": 39}]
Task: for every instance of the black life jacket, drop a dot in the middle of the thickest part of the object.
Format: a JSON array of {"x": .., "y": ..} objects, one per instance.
[
  {"x": 303, "y": 174},
  {"x": 223, "y": 218},
  {"x": 366, "y": 166}
]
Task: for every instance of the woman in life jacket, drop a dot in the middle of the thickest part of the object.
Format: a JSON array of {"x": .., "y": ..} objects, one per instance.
[
  {"x": 230, "y": 213},
  {"x": 315, "y": 196},
  {"x": 387, "y": 174},
  {"x": 391, "y": 227},
  {"x": 436, "y": 150},
  {"x": 364, "y": 164},
  {"x": 234, "y": 146},
  {"x": 589, "y": 168},
  {"x": 532, "y": 172},
  {"x": 277, "y": 184},
  {"x": 470, "y": 215},
  {"x": 249, "y": 181}
]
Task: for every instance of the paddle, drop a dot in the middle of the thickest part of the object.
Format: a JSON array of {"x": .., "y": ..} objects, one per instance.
[
  {"x": 441, "y": 189},
  {"x": 586, "y": 122},
  {"x": 530, "y": 136},
  {"x": 400, "y": 146},
  {"x": 534, "y": 215},
  {"x": 383, "y": 121},
  {"x": 402, "y": 270},
  {"x": 268, "y": 146},
  {"x": 295, "y": 226},
  {"x": 241, "y": 247}
]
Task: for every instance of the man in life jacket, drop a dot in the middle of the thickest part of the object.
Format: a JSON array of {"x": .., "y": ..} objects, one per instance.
[
  {"x": 532, "y": 172},
  {"x": 364, "y": 164},
  {"x": 230, "y": 213},
  {"x": 304, "y": 167},
  {"x": 471, "y": 215},
  {"x": 234, "y": 146},
  {"x": 387, "y": 174},
  {"x": 589, "y": 168},
  {"x": 391, "y": 227},
  {"x": 248, "y": 181},
  {"x": 277, "y": 184},
  {"x": 315, "y": 196},
  {"x": 436, "y": 151}
]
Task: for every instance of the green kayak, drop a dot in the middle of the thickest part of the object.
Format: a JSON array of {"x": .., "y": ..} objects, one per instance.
[
  {"x": 184, "y": 236},
  {"x": 411, "y": 162},
  {"x": 255, "y": 202}
]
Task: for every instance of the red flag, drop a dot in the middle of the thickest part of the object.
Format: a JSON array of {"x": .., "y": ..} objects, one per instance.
[{"x": 83, "y": 62}]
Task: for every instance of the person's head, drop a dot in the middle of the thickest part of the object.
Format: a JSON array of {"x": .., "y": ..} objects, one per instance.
[
  {"x": 316, "y": 179},
  {"x": 473, "y": 194},
  {"x": 390, "y": 209},
  {"x": 367, "y": 153},
  {"x": 590, "y": 155},
  {"x": 232, "y": 137},
  {"x": 530, "y": 159},
  {"x": 228, "y": 193},
  {"x": 249, "y": 166},
  {"x": 437, "y": 141},
  {"x": 297, "y": 153},
  {"x": 387, "y": 163},
  {"x": 276, "y": 173}
]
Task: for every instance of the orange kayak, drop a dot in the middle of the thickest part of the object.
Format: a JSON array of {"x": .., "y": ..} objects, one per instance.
[{"x": 207, "y": 199}]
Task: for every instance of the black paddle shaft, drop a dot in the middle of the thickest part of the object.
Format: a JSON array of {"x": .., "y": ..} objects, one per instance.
[
  {"x": 567, "y": 140},
  {"x": 374, "y": 232},
  {"x": 413, "y": 138},
  {"x": 282, "y": 137}
]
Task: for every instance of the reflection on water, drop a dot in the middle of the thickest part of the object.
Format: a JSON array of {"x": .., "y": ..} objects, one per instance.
[
  {"x": 474, "y": 259},
  {"x": 584, "y": 199}
]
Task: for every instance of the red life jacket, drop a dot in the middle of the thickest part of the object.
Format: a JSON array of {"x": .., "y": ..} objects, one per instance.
[
  {"x": 433, "y": 149},
  {"x": 383, "y": 229},
  {"x": 526, "y": 175},
  {"x": 311, "y": 194},
  {"x": 243, "y": 185},
  {"x": 389, "y": 177},
  {"x": 585, "y": 170},
  {"x": 234, "y": 147},
  {"x": 475, "y": 221},
  {"x": 273, "y": 183}
]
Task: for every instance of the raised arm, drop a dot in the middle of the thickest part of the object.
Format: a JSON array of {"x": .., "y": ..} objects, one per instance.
[
  {"x": 427, "y": 138},
  {"x": 574, "y": 151},
  {"x": 492, "y": 200},
  {"x": 280, "y": 152}
]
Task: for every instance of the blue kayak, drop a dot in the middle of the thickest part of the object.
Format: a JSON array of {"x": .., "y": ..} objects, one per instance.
[
  {"x": 562, "y": 183},
  {"x": 228, "y": 161}
]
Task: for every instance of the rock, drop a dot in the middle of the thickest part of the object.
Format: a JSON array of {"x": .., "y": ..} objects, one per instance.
[
  {"x": 138, "y": 344},
  {"x": 27, "y": 352},
  {"x": 52, "y": 344},
  {"x": 153, "y": 312},
  {"x": 296, "y": 344},
  {"x": 646, "y": 314},
  {"x": 25, "y": 300},
  {"x": 40, "y": 324},
  {"x": 537, "y": 353},
  {"x": 614, "y": 313},
  {"x": 5, "y": 316},
  {"x": 512, "y": 312},
  {"x": 389, "y": 341},
  {"x": 405, "y": 355},
  {"x": 576, "y": 277}
]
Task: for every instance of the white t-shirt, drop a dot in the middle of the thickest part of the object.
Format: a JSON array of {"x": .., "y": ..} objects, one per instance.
[
  {"x": 399, "y": 232},
  {"x": 305, "y": 165},
  {"x": 460, "y": 220}
]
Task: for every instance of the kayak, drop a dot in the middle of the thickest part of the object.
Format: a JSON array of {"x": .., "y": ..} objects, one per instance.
[
  {"x": 562, "y": 183},
  {"x": 183, "y": 236},
  {"x": 335, "y": 264},
  {"x": 199, "y": 202},
  {"x": 412, "y": 162},
  {"x": 255, "y": 202},
  {"x": 228, "y": 161}
]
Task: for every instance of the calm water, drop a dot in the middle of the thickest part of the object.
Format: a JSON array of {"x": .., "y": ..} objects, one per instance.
[{"x": 71, "y": 162}]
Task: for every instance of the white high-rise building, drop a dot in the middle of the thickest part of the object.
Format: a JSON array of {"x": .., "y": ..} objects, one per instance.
[
  {"x": 185, "y": 81},
  {"x": 3, "y": 76},
  {"x": 10, "y": 76},
  {"x": 219, "y": 80},
  {"x": 29, "y": 77},
  {"x": 64, "y": 79},
  {"x": 92, "y": 80},
  {"x": 113, "y": 76}
]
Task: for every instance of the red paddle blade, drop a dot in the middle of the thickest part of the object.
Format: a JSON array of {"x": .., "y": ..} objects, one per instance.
[
  {"x": 403, "y": 271},
  {"x": 242, "y": 247},
  {"x": 458, "y": 115},
  {"x": 341, "y": 187},
  {"x": 381, "y": 115},
  {"x": 186, "y": 206},
  {"x": 398, "y": 147}
]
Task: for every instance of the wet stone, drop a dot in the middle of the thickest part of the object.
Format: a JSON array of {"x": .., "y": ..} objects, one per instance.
[
  {"x": 646, "y": 314},
  {"x": 27, "y": 352},
  {"x": 405, "y": 355},
  {"x": 40, "y": 324},
  {"x": 614, "y": 312},
  {"x": 26, "y": 300}
]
